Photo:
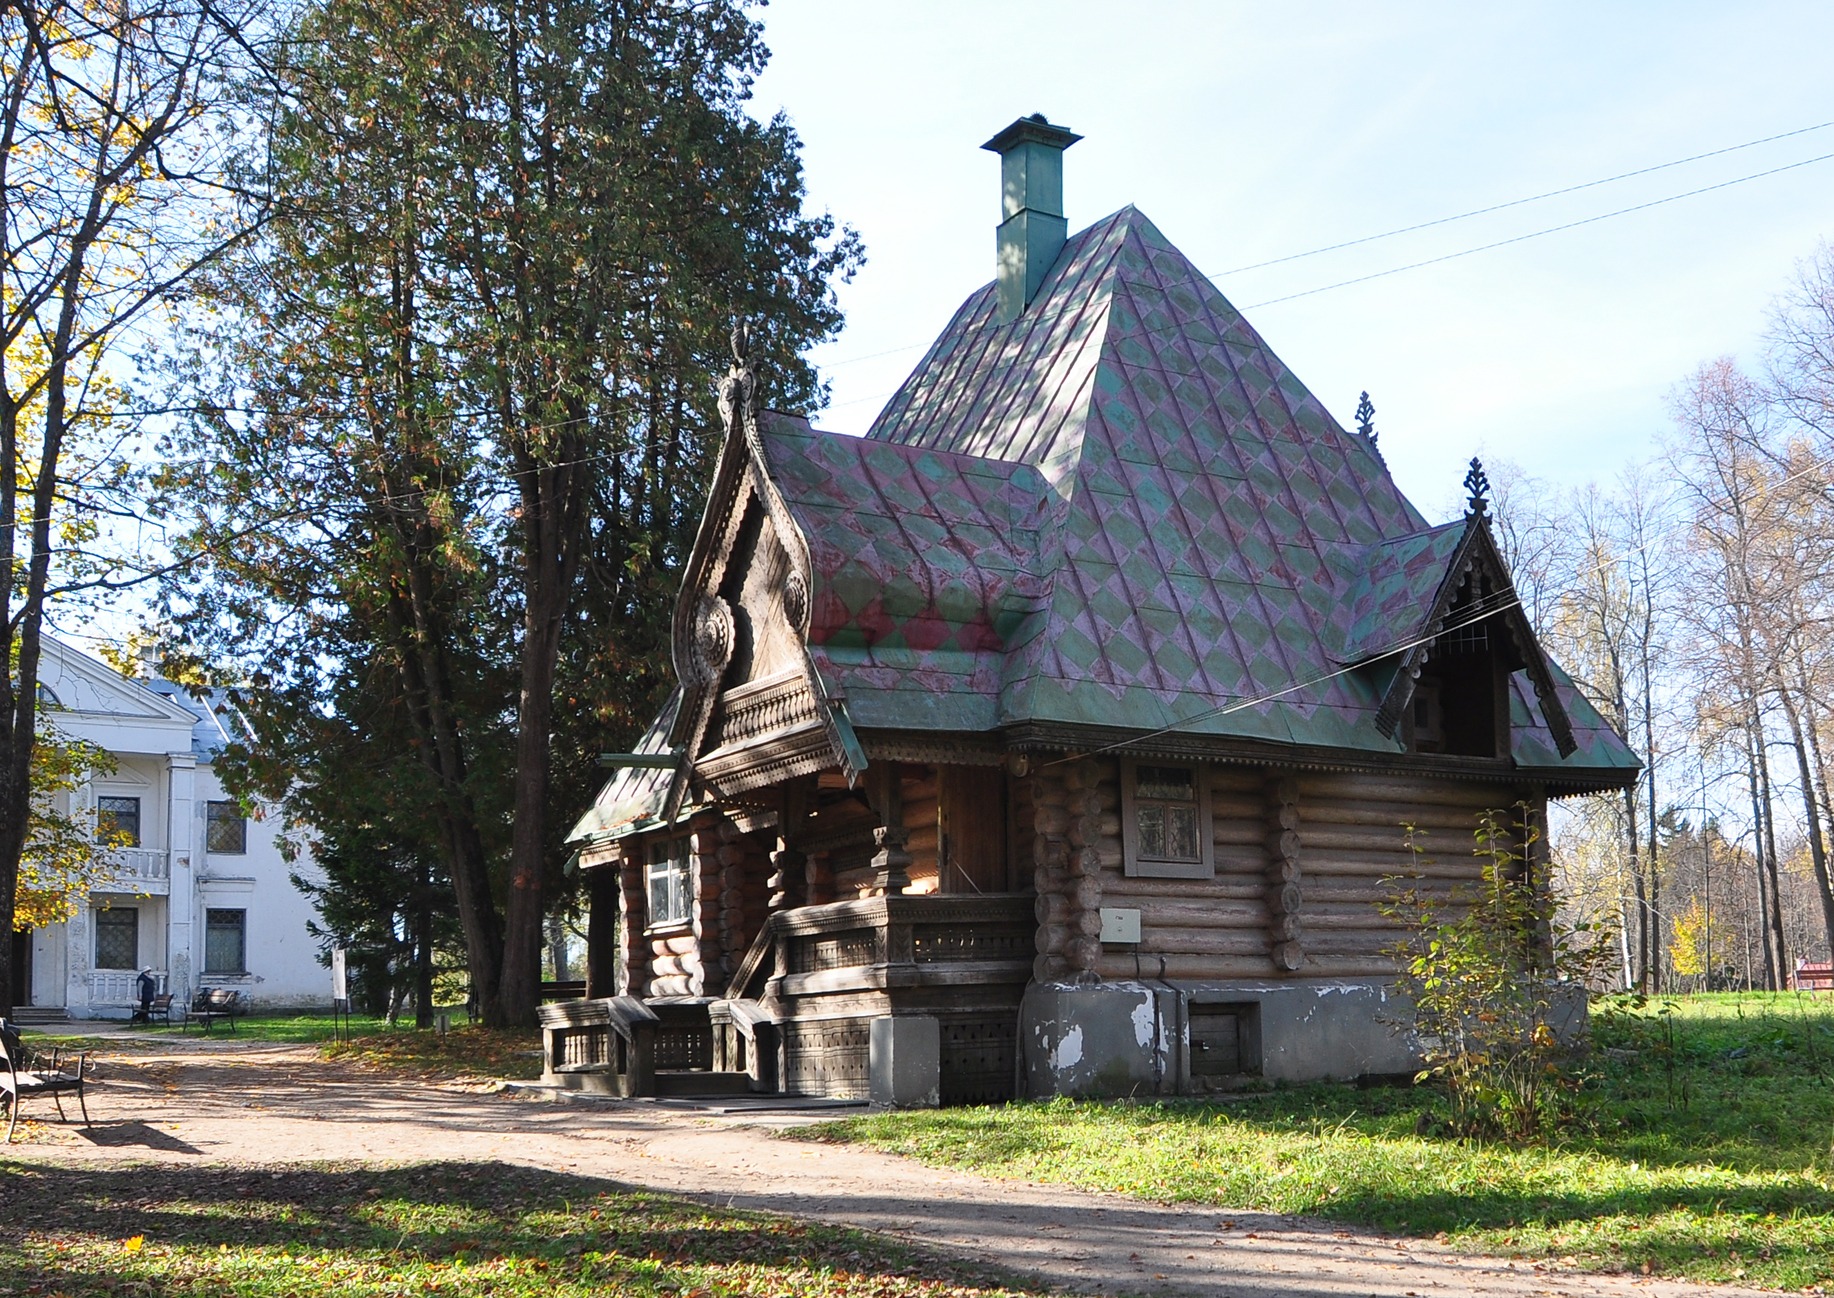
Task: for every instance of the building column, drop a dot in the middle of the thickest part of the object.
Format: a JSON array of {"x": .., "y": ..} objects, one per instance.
[
  {"x": 183, "y": 923},
  {"x": 79, "y": 950}
]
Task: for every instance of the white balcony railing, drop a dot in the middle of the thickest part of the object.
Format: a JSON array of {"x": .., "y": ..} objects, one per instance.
[
  {"x": 142, "y": 869},
  {"x": 117, "y": 986}
]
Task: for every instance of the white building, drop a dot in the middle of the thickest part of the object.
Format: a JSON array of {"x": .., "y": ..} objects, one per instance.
[{"x": 203, "y": 897}]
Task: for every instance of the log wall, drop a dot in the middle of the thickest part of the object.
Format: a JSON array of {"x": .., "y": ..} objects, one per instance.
[{"x": 1303, "y": 865}]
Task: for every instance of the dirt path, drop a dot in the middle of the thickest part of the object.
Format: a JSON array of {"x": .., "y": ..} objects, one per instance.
[{"x": 200, "y": 1102}]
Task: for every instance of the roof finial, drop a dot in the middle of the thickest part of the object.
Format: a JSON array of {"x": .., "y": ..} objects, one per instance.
[
  {"x": 1478, "y": 484},
  {"x": 1365, "y": 419}
]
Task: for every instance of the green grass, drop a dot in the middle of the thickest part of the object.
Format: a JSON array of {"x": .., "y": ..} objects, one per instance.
[
  {"x": 1702, "y": 1149},
  {"x": 473, "y": 1051},
  {"x": 442, "y": 1228},
  {"x": 297, "y": 1029}
]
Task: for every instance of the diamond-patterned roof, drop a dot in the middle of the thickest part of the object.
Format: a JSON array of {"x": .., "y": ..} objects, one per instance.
[{"x": 1120, "y": 509}]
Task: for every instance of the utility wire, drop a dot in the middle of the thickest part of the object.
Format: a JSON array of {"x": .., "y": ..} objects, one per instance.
[
  {"x": 1206, "y": 278},
  {"x": 1536, "y": 234},
  {"x": 1520, "y": 202}
]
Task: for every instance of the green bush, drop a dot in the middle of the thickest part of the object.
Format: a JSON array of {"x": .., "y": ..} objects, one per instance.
[{"x": 1497, "y": 984}]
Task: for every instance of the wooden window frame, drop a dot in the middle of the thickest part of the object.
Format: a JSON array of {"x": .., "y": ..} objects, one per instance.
[
  {"x": 675, "y": 853},
  {"x": 1134, "y": 864}
]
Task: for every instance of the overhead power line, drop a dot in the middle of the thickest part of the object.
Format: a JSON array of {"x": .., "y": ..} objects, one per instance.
[
  {"x": 1521, "y": 202},
  {"x": 1463, "y": 216},
  {"x": 1536, "y": 234}
]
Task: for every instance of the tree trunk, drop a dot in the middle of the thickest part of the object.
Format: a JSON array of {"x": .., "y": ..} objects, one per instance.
[
  {"x": 1765, "y": 902},
  {"x": 1818, "y": 852},
  {"x": 1641, "y": 962},
  {"x": 423, "y": 951}
]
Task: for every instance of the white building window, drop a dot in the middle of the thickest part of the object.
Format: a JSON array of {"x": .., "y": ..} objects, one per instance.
[
  {"x": 671, "y": 890},
  {"x": 118, "y": 938},
  {"x": 225, "y": 941},
  {"x": 120, "y": 817},
  {"x": 1165, "y": 814},
  {"x": 225, "y": 829}
]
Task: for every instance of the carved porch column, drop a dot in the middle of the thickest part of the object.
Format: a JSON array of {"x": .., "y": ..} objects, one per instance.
[{"x": 891, "y": 864}]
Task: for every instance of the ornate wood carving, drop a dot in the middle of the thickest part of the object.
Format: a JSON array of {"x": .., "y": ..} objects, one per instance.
[
  {"x": 762, "y": 709},
  {"x": 891, "y": 864}
]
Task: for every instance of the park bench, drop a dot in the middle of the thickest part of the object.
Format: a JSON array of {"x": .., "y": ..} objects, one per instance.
[
  {"x": 160, "y": 1008},
  {"x": 213, "y": 1003},
  {"x": 21, "y": 1081}
]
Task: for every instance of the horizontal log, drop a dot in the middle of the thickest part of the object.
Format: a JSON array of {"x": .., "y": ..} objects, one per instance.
[
  {"x": 1240, "y": 860},
  {"x": 1248, "y": 805},
  {"x": 1442, "y": 793},
  {"x": 1236, "y": 780},
  {"x": 1239, "y": 833},
  {"x": 1425, "y": 817},
  {"x": 1113, "y": 965},
  {"x": 1377, "y": 865},
  {"x": 1367, "y": 942},
  {"x": 1345, "y": 966},
  {"x": 1121, "y": 890},
  {"x": 1204, "y": 941},
  {"x": 664, "y": 966},
  {"x": 674, "y": 985},
  {"x": 1341, "y": 915},
  {"x": 1159, "y": 912},
  {"x": 1321, "y": 887},
  {"x": 1052, "y": 908}
]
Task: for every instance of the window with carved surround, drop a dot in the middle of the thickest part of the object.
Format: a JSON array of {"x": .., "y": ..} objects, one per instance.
[
  {"x": 670, "y": 884},
  {"x": 1165, "y": 821}
]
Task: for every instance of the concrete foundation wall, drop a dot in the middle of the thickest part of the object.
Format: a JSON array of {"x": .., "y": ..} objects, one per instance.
[{"x": 1135, "y": 1038}]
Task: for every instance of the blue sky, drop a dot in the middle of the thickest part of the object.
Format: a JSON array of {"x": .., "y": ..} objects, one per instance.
[{"x": 1249, "y": 132}]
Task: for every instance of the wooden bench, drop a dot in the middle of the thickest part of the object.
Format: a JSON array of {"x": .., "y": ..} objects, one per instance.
[
  {"x": 20, "y": 1081},
  {"x": 213, "y": 1003},
  {"x": 160, "y": 1008}
]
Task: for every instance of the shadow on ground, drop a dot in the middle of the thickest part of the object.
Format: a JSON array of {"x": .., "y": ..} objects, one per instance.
[{"x": 484, "y": 1227}]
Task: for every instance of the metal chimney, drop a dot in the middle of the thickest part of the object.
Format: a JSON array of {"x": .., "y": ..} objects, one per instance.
[{"x": 1032, "y": 228}]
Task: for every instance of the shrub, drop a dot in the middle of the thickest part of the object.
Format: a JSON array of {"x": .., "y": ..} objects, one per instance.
[{"x": 1496, "y": 980}]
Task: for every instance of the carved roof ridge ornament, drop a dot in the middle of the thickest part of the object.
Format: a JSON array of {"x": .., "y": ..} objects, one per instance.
[
  {"x": 1478, "y": 548},
  {"x": 1477, "y": 487},
  {"x": 705, "y": 625}
]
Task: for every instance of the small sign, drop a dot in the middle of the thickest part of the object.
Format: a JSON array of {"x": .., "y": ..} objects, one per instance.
[
  {"x": 1120, "y": 926},
  {"x": 340, "y": 978}
]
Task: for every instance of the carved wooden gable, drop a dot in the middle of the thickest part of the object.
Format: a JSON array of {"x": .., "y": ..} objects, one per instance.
[{"x": 753, "y": 708}]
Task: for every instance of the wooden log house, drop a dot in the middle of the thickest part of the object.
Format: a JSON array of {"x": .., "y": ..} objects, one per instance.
[{"x": 1058, "y": 735}]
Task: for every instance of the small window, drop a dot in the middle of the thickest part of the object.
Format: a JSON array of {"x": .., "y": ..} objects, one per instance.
[
  {"x": 225, "y": 941},
  {"x": 1166, "y": 810},
  {"x": 225, "y": 829},
  {"x": 1429, "y": 723},
  {"x": 118, "y": 938},
  {"x": 121, "y": 818},
  {"x": 671, "y": 893}
]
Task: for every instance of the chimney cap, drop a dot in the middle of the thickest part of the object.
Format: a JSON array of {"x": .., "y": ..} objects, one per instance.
[{"x": 1032, "y": 130}]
